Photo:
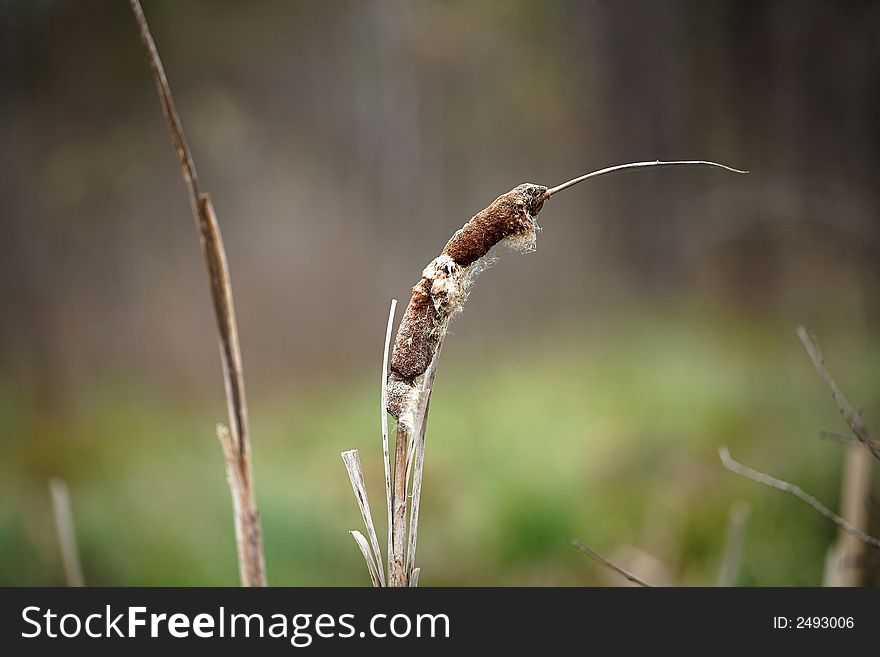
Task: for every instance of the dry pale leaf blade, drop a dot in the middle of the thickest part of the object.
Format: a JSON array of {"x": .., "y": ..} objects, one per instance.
[
  {"x": 352, "y": 461},
  {"x": 365, "y": 550},
  {"x": 386, "y": 454}
]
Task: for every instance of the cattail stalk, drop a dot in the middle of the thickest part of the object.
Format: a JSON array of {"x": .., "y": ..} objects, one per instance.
[
  {"x": 63, "y": 512},
  {"x": 436, "y": 298}
]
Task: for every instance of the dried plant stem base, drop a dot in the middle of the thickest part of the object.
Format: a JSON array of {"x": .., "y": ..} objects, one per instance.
[
  {"x": 397, "y": 562},
  {"x": 248, "y": 535}
]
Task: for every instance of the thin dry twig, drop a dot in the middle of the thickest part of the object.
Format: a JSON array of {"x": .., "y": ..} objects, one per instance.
[
  {"x": 797, "y": 491},
  {"x": 850, "y": 415},
  {"x": 730, "y": 559},
  {"x": 236, "y": 440},
  {"x": 595, "y": 556},
  {"x": 63, "y": 512},
  {"x": 838, "y": 437}
]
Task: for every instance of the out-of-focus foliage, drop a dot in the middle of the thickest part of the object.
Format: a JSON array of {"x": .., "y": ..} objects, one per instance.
[{"x": 604, "y": 431}]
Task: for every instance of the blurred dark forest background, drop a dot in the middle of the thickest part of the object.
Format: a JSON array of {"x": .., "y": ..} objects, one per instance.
[{"x": 343, "y": 142}]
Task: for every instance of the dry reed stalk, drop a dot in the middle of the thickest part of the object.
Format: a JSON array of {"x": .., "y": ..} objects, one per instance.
[
  {"x": 235, "y": 441},
  {"x": 845, "y": 562},
  {"x": 437, "y": 297},
  {"x": 730, "y": 559},
  {"x": 352, "y": 462},
  {"x": 855, "y": 493},
  {"x": 397, "y": 558},
  {"x": 384, "y": 422},
  {"x": 63, "y": 512}
]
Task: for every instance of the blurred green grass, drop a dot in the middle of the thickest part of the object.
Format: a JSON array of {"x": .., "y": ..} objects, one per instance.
[{"x": 606, "y": 431}]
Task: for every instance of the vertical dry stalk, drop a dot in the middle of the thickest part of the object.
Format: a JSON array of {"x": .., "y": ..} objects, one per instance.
[
  {"x": 389, "y": 498},
  {"x": 730, "y": 559},
  {"x": 397, "y": 561},
  {"x": 847, "y": 567},
  {"x": 408, "y": 470},
  {"x": 235, "y": 441},
  {"x": 248, "y": 537},
  {"x": 63, "y": 512}
]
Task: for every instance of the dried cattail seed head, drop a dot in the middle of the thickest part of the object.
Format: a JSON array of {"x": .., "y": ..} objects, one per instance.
[
  {"x": 444, "y": 286},
  {"x": 445, "y": 282}
]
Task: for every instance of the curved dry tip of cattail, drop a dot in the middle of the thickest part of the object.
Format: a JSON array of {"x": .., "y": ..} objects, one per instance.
[{"x": 634, "y": 165}]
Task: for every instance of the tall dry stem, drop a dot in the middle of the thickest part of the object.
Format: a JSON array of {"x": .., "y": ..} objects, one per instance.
[
  {"x": 62, "y": 509},
  {"x": 235, "y": 441}
]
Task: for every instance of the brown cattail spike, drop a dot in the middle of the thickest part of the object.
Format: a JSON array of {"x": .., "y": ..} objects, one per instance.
[
  {"x": 510, "y": 214},
  {"x": 443, "y": 288}
]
